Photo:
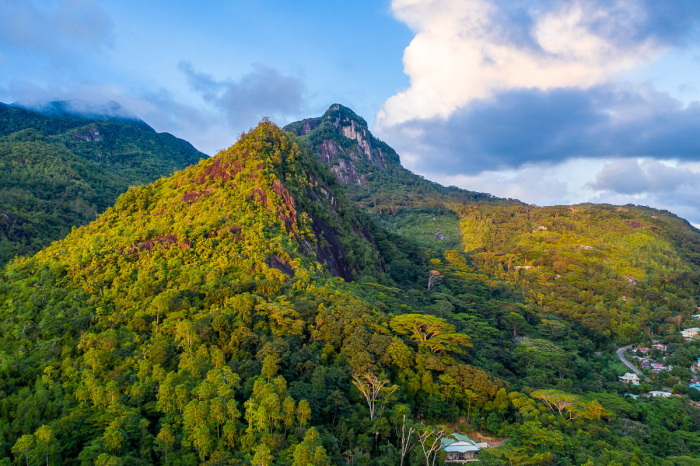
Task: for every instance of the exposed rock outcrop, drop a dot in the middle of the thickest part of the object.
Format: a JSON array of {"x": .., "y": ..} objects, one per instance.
[
  {"x": 331, "y": 255},
  {"x": 88, "y": 134},
  {"x": 343, "y": 142}
]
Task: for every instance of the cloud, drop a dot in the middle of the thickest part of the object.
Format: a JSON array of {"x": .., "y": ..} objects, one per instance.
[
  {"x": 541, "y": 185},
  {"x": 623, "y": 176},
  {"x": 159, "y": 108},
  {"x": 522, "y": 99},
  {"x": 471, "y": 49},
  {"x": 670, "y": 186},
  {"x": 634, "y": 176},
  {"x": 262, "y": 92},
  {"x": 54, "y": 27},
  {"x": 522, "y": 126},
  {"x": 665, "y": 185}
]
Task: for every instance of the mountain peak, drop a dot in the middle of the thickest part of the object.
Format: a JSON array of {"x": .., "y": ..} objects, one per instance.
[
  {"x": 371, "y": 170},
  {"x": 343, "y": 141},
  {"x": 340, "y": 112}
]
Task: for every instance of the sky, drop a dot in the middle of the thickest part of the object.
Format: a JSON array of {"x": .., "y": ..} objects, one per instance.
[{"x": 546, "y": 101}]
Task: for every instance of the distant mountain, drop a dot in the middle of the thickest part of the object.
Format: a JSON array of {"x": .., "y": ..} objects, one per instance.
[
  {"x": 63, "y": 164},
  {"x": 364, "y": 163},
  {"x": 376, "y": 181}
]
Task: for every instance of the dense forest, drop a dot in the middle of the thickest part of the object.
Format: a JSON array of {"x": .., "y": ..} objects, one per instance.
[
  {"x": 60, "y": 170},
  {"x": 257, "y": 309}
]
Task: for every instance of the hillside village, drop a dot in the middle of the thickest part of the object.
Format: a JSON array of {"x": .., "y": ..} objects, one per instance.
[{"x": 665, "y": 370}]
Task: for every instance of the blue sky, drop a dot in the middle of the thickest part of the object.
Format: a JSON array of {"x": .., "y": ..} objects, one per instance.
[
  {"x": 132, "y": 50},
  {"x": 548, "y": 101}
]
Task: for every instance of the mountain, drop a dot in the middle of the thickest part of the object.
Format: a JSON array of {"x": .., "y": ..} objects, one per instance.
[
  {"x": 375, "y": 180},
  {"x": 60, "y": 167},
  {"x": 148, "y": 328},
  {"x": 249, "y": 310}
]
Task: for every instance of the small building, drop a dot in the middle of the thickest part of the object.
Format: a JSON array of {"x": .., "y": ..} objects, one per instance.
[
  {"x": 659, "y": 347},
  {"x": 660, "y": 394},
  {"x": 629, "y": 378},
  {"x": 696, "y": 316},
  {"x": 690, "y": 333},
  {"x": 643, "y": 349},
  {"x": 460, "y": 448}
]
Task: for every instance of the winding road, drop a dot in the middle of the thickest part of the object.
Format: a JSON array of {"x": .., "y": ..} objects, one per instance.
[{"x": 621, "y": 355}]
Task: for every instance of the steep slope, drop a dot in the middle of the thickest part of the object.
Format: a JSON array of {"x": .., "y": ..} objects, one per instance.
[
  {"x": 59, "y": 170},
  {"x": 376, "y": 181}
]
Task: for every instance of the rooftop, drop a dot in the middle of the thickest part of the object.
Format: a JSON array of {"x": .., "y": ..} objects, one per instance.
[{"x": 459, "y": 443}]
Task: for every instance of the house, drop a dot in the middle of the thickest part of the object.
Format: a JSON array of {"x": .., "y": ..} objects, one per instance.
[
  {"x": 663, "y": 394},
  {"x": 696, "y": 316},
  {"x": 632, "y": 281},
  {"x": 659, "y": 347},
  {"x": 643, "y": 349},
  {"x": 646, "y": 365},
  {"x": 460, "y": 448},
  {"x": 629, "y": 378},
  {"x": 690, "y": 333}
]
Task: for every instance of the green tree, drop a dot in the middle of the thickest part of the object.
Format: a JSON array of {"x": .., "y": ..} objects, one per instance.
[
  {"x": 23, "y": 447},
  {"x": 165, "y": 440},
  {"x": 431, "y": 332},
  {"x": 45, "y": 442},
  {"x": 263, "y": 456},
  {"x": 310, "y": 452}
]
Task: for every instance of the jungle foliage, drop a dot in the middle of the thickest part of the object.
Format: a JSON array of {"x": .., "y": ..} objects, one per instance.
[
  {"x": 57, "y": 172},
  {"x": 203, "y": 320}
]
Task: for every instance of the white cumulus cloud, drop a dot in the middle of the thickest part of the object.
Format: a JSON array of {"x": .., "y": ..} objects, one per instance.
[{"x": 469, "y": 49}]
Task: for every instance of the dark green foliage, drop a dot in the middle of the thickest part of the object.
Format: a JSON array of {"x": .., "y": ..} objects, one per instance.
[{"x": 57, "y": 172}]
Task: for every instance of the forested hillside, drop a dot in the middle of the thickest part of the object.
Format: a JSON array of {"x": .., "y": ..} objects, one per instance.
[
  {"x": 60, "y": 170},
  {"x": 245, "y": 311},
  {"x": 619, "y": 272}
]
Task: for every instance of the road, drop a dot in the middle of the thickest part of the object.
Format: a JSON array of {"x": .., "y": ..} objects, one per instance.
[{"x": 621, "y": 355}]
